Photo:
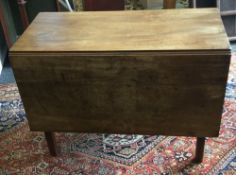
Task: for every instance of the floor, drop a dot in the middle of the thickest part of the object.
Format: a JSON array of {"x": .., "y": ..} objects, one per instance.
[
  {"x": 25, "y": 152},
  {"x": 7, "y": 76}
]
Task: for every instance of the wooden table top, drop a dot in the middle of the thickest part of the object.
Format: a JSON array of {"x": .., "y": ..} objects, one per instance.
[{"x": 149, "y": 30}]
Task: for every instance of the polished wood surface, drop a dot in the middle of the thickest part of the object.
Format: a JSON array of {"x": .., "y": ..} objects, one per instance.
[
  {"x": 98, "y": 75},
  {"x": 163, "y": 30},
  {"x": 148, "y": 94}
]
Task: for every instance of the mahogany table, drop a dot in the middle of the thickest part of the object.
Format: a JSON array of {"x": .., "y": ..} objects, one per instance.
[{"x": 125, "y": 72}]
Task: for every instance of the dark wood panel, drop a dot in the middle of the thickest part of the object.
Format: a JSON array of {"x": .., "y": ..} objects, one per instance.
[
  {"x": 169, "y": 4},
  {"x": 98, "y": 5},
  {"x": 170, "y": 95}
]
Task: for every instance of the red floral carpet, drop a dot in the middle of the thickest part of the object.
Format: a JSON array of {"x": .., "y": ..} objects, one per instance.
[{"x": 23, "y": 152}]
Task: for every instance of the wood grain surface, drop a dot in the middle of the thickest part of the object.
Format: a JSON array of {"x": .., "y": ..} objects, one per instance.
[
  {"x": 144, "y": 72},
  {"x": 171, "y": 95},
  {"x": 149, "y": 30}
]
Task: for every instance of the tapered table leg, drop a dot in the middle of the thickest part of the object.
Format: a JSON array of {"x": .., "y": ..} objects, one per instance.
[
  {"x": 50, "y": 138},
  {"x": 199, "y": 150}
]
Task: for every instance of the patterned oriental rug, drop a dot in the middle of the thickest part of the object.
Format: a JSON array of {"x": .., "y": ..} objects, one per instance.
[{"x": 24, "y": 153}]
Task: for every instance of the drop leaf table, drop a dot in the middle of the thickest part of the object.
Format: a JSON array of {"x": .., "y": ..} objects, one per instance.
[{"x": 124, "y": 72}]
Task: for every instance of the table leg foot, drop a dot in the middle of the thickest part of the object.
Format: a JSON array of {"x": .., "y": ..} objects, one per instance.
[
  {"x": 199, "y": 150},
  {"x": 50, "y": 138}
]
